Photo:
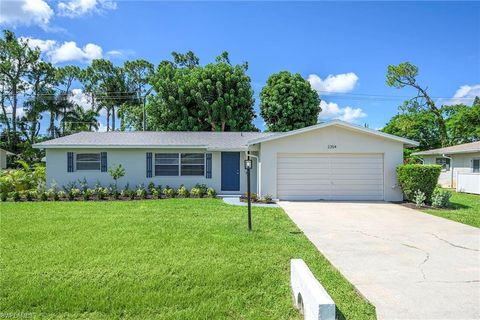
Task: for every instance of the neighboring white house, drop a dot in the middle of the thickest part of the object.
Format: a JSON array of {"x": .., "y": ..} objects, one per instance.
[
  {"x": 3, "y": 158},
  {"x": 456, "y": 160},
  {"x": 332, "y": 161}
]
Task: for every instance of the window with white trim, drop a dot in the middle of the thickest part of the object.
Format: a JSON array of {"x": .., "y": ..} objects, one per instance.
[
  {"x": 476, "y": 165},
  {"x": 87, "y": 161},
  {"x": 166, "y": 164},
  {"x": 444, "y": 162},
  {"x": 193, "y": 164}
]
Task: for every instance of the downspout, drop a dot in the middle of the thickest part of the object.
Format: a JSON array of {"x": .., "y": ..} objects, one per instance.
[
  {"x": 451, "y": 169},
  {"x": 259, "y": 172}
]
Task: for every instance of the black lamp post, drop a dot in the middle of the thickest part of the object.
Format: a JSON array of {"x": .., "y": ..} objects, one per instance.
[{"x": 248, "y": 166}]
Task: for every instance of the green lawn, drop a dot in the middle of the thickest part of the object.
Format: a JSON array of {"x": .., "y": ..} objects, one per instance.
[
  {"x": 164, "y": 259},
  {"x": 465, "y": 208}
]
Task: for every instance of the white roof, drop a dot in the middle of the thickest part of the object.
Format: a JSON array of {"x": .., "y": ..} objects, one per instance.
[{"x": 407, "y": 142}]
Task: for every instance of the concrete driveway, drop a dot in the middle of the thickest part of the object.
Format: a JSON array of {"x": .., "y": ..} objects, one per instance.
[{"x": 408, "y": 264}]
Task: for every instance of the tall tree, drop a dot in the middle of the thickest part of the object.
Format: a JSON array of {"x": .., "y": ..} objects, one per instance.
[
  {"x": 79, "y": 119},
  {"x": 288, "y": 102},
  {"x": 138, "y": 73},
  {"x": 42, "y": 80},
  {"x": 405, "y": 75},
  {"x": 16, "y": 60},
  {"x": 216, "y": 97},
  {"x": 66, "y": 76}
]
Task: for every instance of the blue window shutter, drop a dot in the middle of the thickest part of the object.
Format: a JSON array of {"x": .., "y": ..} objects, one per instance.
[
  {"x": 149, "y": 164},
  {"x": 208, "y": 171},
  {"x": 69, "y": 161},
  {"x": 103, "y": 162}
]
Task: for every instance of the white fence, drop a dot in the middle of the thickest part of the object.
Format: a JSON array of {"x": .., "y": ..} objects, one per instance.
[{"x": 468, "y": 182}]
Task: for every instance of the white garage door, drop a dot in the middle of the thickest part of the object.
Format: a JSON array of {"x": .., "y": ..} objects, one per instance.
[{"x": 330, "y": 176}]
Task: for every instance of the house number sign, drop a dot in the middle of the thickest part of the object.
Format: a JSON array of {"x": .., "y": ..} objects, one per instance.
[{"x": 332, "y": 146}]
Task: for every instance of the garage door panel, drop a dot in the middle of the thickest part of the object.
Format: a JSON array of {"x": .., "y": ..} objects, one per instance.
[{"x": 330, "y": 176}]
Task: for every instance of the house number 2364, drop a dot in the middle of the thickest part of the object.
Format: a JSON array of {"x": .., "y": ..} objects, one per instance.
[{"x": 332, "y": 146}]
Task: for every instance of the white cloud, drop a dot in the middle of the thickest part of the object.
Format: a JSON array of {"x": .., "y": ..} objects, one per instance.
[
  {"x": 81, "y": 99},
  {"x": 331, "y": 110},
  {"x": 68, "y": 51},
  {"x": 339, "y": 83},
  {"x": 25, "y": 12},
  {"x": 43, "y": 45},
  {"x": 75, "y": 8},
  {"x": 465, "y": 95}
]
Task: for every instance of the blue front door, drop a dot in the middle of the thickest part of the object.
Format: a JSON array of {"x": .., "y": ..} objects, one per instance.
[{"x": 231, "y": 171}]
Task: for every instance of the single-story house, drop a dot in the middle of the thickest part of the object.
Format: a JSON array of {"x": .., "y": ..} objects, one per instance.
[
  {"x": 3, "y": 158},
  {"x": 332, "y": 161},
  {"x": 462, "y": 158}
]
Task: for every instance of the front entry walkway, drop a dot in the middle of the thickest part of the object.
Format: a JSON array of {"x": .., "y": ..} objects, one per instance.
[{"x": 410, "y": 265}]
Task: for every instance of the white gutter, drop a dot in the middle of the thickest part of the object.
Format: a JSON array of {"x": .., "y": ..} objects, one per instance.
[{"x": 451, "y": 169}]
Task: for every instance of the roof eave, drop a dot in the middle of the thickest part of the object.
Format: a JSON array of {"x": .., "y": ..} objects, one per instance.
[
  {"x": 105, "y": 146},
  {"x": 406, "y": 142},
  {"x": 440, "y": 153}
]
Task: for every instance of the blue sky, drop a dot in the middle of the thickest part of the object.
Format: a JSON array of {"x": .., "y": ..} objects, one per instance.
[{"x": 344, "y": 48}]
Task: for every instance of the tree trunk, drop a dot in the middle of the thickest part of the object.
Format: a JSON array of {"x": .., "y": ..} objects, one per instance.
[
  {"x": 14, "y": 111},
  {"x": 52, "y": 125},
  {"x": 113, "y": 118},
  {"x": 108, "y": 119}
]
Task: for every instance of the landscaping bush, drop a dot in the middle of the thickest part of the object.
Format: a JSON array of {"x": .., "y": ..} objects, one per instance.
[
  {"x": 59, "y": 195},
  {"x": 211, "y": 193},
  {"x": 141, "y": 192},
  {"x": 419, "y": 198},
  {"x": 87, "y": 194},
  {"x": 151, "y": 187},
  {"x": 155, "y": 194},
  {"x": 413, "y": 177},
  {"x": 196, "y": 192},
  {"x": 441, "y": 198},
  {"x": 202, "y": 189},
  {"x": 268, "y": 198},
  {"x": 253, "y": 196},
  {"x": 43, "y": 196},
  {"x": 3, "y": 196},
  {"x": 15, "y": 195},
  {"x": 182, "y": 192},
  {"x": 169, "y": 192},
  {"x": 27, "y": 178}
]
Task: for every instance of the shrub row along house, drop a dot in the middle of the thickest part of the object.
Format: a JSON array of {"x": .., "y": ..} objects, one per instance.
[{"x": 332, "y": 161}]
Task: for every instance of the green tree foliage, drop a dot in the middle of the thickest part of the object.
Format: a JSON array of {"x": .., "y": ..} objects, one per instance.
[
  {"x": 214, "y": 97},
  {"x": 16, "y": 61},
  {"x": 405, "y": 75},
  {"x": 420, "y": 126},
  {"x": 138, "y": 73},
  {"x": 288, "y": 102},
  {"x": 463, "y": 123}
]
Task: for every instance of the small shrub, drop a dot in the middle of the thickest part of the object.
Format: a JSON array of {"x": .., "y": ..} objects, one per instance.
[
  {"x": 3, "y": 196},
  {"x": 116, "y": 172},
  {"x": 73, "y": 193},
  {"x": 203, "y": 189},
  {"x": 115, "y": 194},
  {"x": 101, "y": 193},
  {"x": 83, "y": 184},
  {"x": 211, "y": 193},
  {"x": 155, "y": 194},
  {"x": 268, "y": 198},
  {"x": 419, "y": 198},
  {"x": 182, "y": 192},
  {"x": 253, "y": 196},
  {"x": 30, "y": 195},
  {"x": 59, "y": 195},
  {"x": 196, "y": 192},
  {"x": 15, "y": 195},
  {"x": 169, "y": 192},
  {"x": 413, "y": 177},
  {"x": 43, "y": 196},
  {"x": 441, "y": 198},
  {"x": 87, "y": 194},
  {"x": 141, "y": 193},
  {"x": 151, "y": 187}
]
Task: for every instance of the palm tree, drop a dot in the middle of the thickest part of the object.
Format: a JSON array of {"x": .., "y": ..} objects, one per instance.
[{"x": 79, "y": 119}]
